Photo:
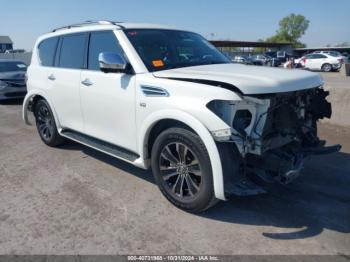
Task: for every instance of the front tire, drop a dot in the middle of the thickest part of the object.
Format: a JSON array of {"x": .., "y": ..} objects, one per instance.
[
  {"x": 327, "y": 68},
  {"x": 45, "y": 124},
  {"x": 182, "y": 169}
]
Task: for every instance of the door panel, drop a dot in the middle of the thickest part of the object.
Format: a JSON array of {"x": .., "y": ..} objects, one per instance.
[
  {"x": 63, "y": 85},
  {"x": 108, "y": 106},
  {"x": 108, "y": 99},
  {"x": 310, "y": 63},
  {"x": 64, "y": 80},
  {"x": 317, "y": 64}
]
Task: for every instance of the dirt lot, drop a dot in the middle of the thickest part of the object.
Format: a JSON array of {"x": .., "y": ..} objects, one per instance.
[{"x": 72, "y": 199}]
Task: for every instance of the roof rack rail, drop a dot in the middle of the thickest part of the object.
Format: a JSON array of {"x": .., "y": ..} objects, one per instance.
[{"x": 87, "y": 23}]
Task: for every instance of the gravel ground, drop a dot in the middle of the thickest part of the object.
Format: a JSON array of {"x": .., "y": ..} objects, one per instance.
[{"x": 74, "y": 200}]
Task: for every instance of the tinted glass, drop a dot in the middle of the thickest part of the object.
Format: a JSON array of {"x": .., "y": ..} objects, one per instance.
[
  {"x": 334, "y": 53},
  {"x": 101, "y": 42},
  {"x": 47, "y": 50},
  {"x": 12, "y": 66},
  {"x": 165, "y": 49},
  {"x": 318, "y": 56},
  {"x": 72, "y": 51},
  {"x": 310, "y": 56}
]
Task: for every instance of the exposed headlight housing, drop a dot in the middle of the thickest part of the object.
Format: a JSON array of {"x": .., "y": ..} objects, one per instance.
[{"x": 242, "y": 120}]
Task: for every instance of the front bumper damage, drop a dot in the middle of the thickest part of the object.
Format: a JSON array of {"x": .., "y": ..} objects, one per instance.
[
  {"x": 274, "y": 145},
  {"x": 282, "y": 166}
]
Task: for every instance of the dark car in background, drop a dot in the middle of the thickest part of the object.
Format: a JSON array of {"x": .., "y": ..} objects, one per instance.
[
  {"x": 282, "y": 56},
  {"x": 12, "y": 79},
  {"x": 242, "y": 59},
  {"x": 266, "y": 60}
]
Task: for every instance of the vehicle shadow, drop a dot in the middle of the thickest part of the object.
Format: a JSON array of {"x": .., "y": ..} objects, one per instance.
[
  {"x": 122, "y": 165},
  {"x": 318, "y": 200},
  {"x": 12, "y": 102}
]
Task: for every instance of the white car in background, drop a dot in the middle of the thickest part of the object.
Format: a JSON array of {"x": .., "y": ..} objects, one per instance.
[
  {"x": 320, "y": 62},
  {"x": 167, "y": 99},
  {"x": 342, "y": 59}
]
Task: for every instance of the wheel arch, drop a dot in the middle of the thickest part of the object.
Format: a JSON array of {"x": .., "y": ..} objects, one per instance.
[
  {"x": 29, "y": 101},
  {"x": 161, "y": 120}
]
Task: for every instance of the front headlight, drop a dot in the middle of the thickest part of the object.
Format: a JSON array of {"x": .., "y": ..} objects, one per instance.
[{"x": 3, "y": 84}]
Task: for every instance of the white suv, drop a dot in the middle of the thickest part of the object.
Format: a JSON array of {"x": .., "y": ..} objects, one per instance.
[{"x": 167, "y": 99}]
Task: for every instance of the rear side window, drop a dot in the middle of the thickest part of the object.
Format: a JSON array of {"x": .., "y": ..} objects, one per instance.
[
  {"x": 310, "y": 56},
  {"x": 318, "y": 56},
  {"x": 47, "y": 49},
  {"x": 101, "y": 42},
  {"x": 72, "y": 51}
]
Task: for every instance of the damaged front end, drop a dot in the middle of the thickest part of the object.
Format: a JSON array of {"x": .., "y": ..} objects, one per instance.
[{"x": 272, "y": 134}]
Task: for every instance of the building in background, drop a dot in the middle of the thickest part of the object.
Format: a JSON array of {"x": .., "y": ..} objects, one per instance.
[{"x": 6, "y": 44}]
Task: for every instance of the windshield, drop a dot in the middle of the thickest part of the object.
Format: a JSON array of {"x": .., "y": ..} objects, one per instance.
[
  {"x": 12, "y": 66},
  {"x": 166, "y": 49}
]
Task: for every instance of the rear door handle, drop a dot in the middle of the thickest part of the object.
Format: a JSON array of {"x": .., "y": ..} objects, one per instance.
[
  {"x": 87, "y": 82},
  {"x": 52, "y": 77}
]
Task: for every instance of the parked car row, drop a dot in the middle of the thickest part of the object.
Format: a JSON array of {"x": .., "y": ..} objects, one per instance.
[
  {"x": 259, "y": 59},
  {"x": 326, "y": 60}
]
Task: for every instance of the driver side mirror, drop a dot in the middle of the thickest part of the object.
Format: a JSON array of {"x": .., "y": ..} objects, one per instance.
[{"x": 112, "y": 62}]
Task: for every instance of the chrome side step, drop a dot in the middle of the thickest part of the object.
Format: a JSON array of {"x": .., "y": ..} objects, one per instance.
[{"x": 100, "y": 145}]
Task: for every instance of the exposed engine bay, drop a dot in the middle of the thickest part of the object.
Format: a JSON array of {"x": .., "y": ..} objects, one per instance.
[{"x": 274, "y": 133}]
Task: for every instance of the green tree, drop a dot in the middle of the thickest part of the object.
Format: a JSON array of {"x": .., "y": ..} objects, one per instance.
[{"x": 291, "y": 29}]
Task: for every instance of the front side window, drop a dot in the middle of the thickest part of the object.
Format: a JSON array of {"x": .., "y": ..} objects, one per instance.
[
  {"x": 72, "y": 51},
  {"x": 47, "y": 49},
  {"x": 101, "y": 42},
  {"x": 165, "y": 49}
]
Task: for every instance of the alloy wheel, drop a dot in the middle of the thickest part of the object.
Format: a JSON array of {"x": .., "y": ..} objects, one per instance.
[
  {"x": 327, "y": 68},
  {"x": 180, "y": 170},
  {"x": 45, "y": 122}
]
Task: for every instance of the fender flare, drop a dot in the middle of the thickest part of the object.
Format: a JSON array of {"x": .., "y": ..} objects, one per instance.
[
  {"x": 200, "y": 129},
  {"x": 28, "y": 98}
]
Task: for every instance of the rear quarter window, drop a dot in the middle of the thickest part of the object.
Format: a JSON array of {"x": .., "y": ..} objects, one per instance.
[
  {"x": 72, "y": 53},
  {"x": 47, "y": 50}
]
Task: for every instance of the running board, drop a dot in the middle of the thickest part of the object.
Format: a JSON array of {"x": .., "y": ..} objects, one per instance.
[{"x": 100, "y": 145}]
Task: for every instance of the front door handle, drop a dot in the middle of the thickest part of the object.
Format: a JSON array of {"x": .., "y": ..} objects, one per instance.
[
  {"x": 52, "y": 77},
  {"x": 87, "y": 82}
]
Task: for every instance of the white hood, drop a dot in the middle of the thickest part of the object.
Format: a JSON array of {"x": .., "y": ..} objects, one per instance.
[{"x": 248, "y": 79}]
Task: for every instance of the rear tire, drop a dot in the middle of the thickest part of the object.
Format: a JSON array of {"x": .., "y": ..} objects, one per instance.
[
  {"x": 327, "y": 68},
  {"x": 182, "y": 170},
  {"x": 46, "y": 125}
]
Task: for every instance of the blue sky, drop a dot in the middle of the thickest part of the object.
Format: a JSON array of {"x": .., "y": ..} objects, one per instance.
[{"x": 246, "y": 20}]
